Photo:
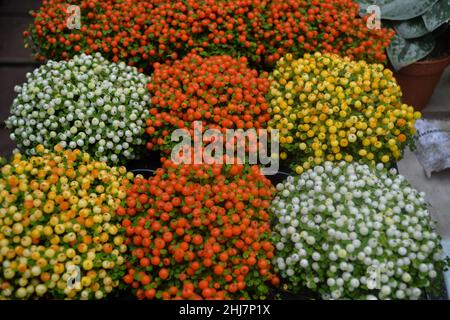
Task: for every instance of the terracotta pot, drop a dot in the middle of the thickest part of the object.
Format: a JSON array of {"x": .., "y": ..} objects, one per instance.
[{"x": 419, "y": 80}]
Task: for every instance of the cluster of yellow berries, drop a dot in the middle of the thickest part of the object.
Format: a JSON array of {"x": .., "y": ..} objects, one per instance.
[
  {"x": 59, "y": 234},
  {"x": 331, "y": 108}
]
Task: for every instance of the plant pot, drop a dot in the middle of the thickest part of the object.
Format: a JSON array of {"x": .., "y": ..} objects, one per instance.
[
  {"x": 418, "y": 81},
  {"x": 148, "y": 160},
  {"x": 279, "y": 293}
]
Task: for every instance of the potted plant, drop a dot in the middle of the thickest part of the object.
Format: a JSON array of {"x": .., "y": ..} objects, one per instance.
[
  {"x": 199, "y": 231},
  {"x": 357, "y": 114},
  {"x": 353, "y": 231},
  {"x": 419, "y": 51},
  {"x": 88, "y": 103},
  {"x": 64, "y": 240}
]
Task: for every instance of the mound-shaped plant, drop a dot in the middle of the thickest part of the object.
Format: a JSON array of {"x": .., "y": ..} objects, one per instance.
[
  {"x": 59, "y": 235},
  {"x": 142, "y": 32},
  {"x": 87, "y": 103},
  {"x": 199, "y": 231},
  {"x": 116, "y": 29},
  {"x": 331, "y": 108},
  {"x": 333, "y": 26},
  {"x": 350, "y": 231},
  {"x": 221, "y": 92}
]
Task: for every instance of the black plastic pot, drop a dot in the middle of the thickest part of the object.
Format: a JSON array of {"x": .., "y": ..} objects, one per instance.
[
  {"x": 440, "y": 294},
  {"x": 150, "y": 160},
  {"x": 146, "y": 173},
  {"x": 278, "y": 293},
  {"x": 279, "y": 177}
]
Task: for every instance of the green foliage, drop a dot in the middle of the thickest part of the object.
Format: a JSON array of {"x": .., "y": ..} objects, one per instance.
[
  {"x": 403, "y": 52},
  {"x": 415, "y": 23}
]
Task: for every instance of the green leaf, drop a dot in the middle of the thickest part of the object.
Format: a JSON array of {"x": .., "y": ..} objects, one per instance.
[
  {"x": 366, "y": 3},
  {"x": 398, "y": 9},
  {"x": 403, "y": 52},
  {"x": 437, "y": 15},
  {"x": 410, "y": 29}
]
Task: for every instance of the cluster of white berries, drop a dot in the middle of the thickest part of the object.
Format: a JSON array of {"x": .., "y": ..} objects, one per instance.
[
  {"x": 350, "y": 231},
  {"x": 86, "y": 103}
]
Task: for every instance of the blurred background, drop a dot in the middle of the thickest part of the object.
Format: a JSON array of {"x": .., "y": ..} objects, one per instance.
[{"x": 15, "y": 60}]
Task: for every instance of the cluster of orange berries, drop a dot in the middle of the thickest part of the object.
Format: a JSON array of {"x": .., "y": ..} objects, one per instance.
[
  {"x": 220, "y": 91},
  {"x": 199, "y": 232},
  {"x": 143, "y": 32}
]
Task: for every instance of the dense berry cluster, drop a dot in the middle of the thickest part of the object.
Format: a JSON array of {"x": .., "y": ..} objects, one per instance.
[
  {"x": 117, "y": 29},
  {"x": 72, "y": 227},
  {"x": 142, "y": 32},
  {"x": 59, "y": 236},
  {"x": 332, "y": 26},
  {"x": 87, "y": 103},
  {"x": 211, "y": 27},
  {"x": 199, "y": 231},
  {"x": 331, "y": 108},
  {"x": 220, "y": 91},
  {"x": 350, "y": 231}
]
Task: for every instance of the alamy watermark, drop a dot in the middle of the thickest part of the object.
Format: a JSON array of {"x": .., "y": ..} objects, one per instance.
[
  {"x": 74, "y": 277},
  {"x": 74, "y": 19},
  {"x": 249, "y": 146},
  {"x": 373, "y": 278},
  {"x": 376, "y": 276},
  {"x": 374, "y": 17}
]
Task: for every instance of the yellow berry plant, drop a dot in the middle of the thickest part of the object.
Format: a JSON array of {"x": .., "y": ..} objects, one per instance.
[
  {"x": 59, "y": 234},
  {"x": 331, "y": 108}
]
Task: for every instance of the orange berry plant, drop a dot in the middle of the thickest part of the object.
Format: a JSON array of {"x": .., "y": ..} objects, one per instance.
[
  {"x": 334, "y": 26},
  {"x": 220, "y": 91},
  {"x": 199, "y": 232},
  {"x": 142, "y": 32},
  {"x": 117, "y": 29}
]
